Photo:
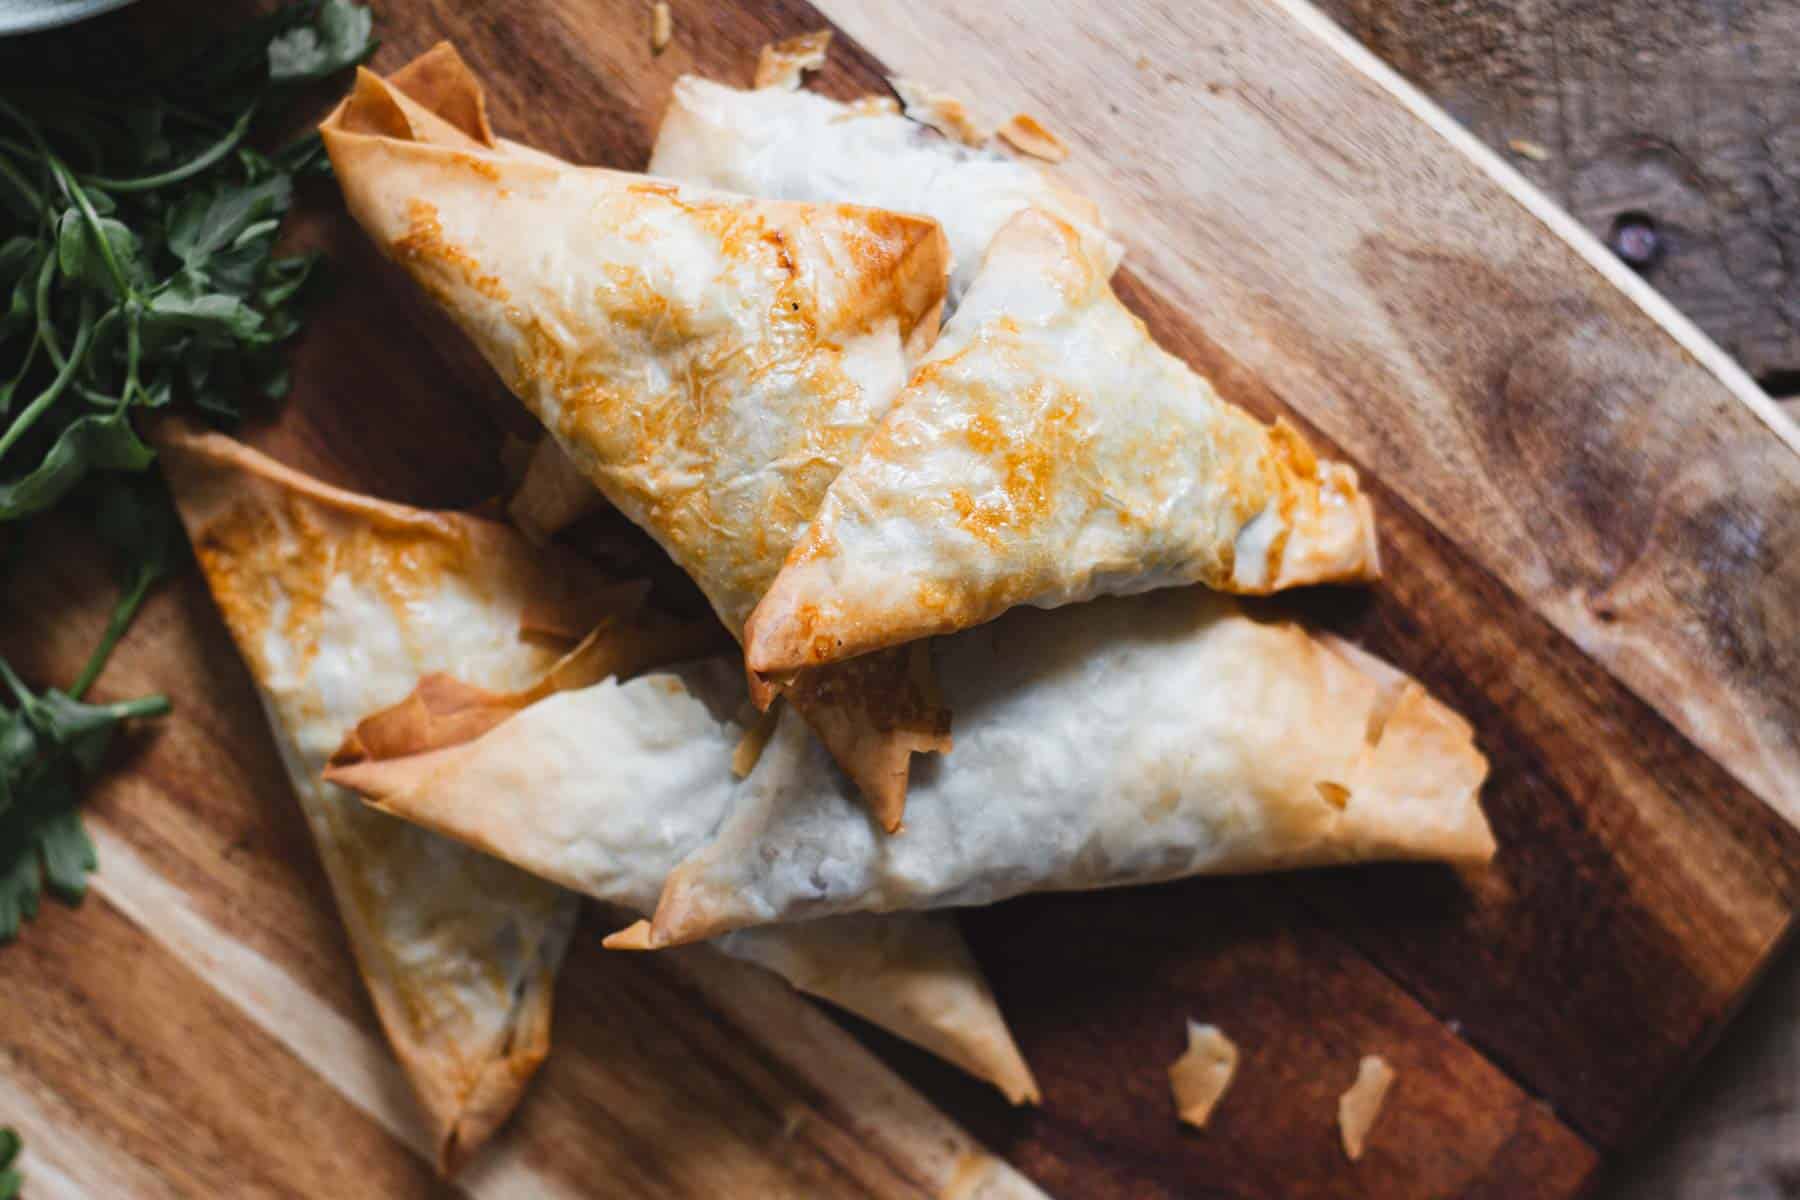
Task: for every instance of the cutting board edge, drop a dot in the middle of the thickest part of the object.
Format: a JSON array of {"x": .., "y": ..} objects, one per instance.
[{"x": 1687, "y": 335}]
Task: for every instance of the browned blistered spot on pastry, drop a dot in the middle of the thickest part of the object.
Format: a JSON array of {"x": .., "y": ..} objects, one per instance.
[
  {"x": 1292, "y": 450},
  {"x": 1295, "y": 470},
  {"x": 1028, "y": 466},
  {"x": 231, "y": 552},
  {"x": 424, "y": 243},
  {"x": 933, "y": 597},
  {"x": 655, "y": 433},
  {"x": 1334, "y": 794},
  {"x": 478, "y": 165},
  {"x": 256, "y": 553},
  {"x": 984, "y": 433}
]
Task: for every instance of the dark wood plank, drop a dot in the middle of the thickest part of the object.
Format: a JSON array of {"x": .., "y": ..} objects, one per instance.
[
  {"x": 1100, "y": 987},
  {"x": 1639, "y": 888},
  {"x": 1683, "y": 111}
]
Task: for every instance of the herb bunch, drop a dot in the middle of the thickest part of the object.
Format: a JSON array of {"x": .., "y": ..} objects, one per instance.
[{"x": 137, "y": 272}]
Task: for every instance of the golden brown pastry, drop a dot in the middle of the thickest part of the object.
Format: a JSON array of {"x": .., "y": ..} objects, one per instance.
[
  {"x": 340, "y": 605},
  {"x": 1126, "y": 740},
  {"x": 708, "y": 361},
  {"x": 1048, "y": 451}
]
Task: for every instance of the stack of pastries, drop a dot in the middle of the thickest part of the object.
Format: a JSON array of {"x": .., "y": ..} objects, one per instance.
[{"x": 871, "y": 390}]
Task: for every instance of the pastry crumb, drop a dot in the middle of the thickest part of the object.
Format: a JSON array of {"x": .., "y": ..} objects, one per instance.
[
  {"x": 1525, "y": 148},
  {"x": 1026, "y": 134},
  {"x": 939, "y": 110},
  {"x": 635, "y": 936},
  {"x": 662, "y": 27},
  {"x": 784, "y": 64},
  {"x": 1200, "y": 1076},
  {"x": 1358, "y": 1107}
]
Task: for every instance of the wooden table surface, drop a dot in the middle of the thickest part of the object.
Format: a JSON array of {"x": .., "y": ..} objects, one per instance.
[
  {"x": 1687, "y": 112},
  {"x": 1590, "y": 520}
]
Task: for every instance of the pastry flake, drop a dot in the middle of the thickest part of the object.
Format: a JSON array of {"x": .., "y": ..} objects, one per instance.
[
  {"x": 662, "y": 27},
  {"x": 1200, "y": 1076},
  {"x": 1026, "y": 134},
  {"x": 938, "y": 110},
  {"x": 1361, "y": 1104},
  {"x": 784, "y": 64}
]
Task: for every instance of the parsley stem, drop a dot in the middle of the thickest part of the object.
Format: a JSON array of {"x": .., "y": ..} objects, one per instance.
[
  {"x": 14, "y": 684},
  {"x": 122, "y": 615},
  {"x": 134, "y": 347},
  {"x": 95, "y": 230},
  {"x": 83, "y": 336},
  {"x": 6, "y": 392},
  {"x": 195, "y": 165}
]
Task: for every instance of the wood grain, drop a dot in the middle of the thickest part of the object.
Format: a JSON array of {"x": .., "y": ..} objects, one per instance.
[
  {"x": 206, "y": 988},
  {"x": 1619, "y": 844},
  {"x": 1684, "y": 111},
  {"x": 1520, "y": 425}
]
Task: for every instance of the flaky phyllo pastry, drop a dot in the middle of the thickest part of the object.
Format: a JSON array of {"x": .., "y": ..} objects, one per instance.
[
  {"x": 1123, "y": 741},
  {"x": 909, "y": 973},
  {"x": 340, "y": 605},
  {"x": 1045, "y": 452},
  {"x": 795, "y": 145},
  {"x": 709, "y": 361}
]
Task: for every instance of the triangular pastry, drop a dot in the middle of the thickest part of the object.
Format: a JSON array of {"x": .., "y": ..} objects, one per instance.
[
  {"x": 709, "y": 361},
  {"x": 910, "y": 973},
  {"x": 1047, "y": 451},
  {"x": 340, "y": 605},
  {"x": 1128, "y": 740}
]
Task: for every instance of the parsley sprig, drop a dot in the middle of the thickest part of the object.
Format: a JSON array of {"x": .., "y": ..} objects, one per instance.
[{"x": 137, "y": 272}]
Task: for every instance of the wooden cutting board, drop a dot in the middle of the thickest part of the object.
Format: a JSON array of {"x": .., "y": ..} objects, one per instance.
[{"x": 1591, "y": 523}]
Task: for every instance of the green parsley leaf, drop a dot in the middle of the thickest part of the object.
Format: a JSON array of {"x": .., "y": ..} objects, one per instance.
[
  {"x": 137, "y": 270},
  {"x": 103, "y": 441},
  {"x": 187, "y": 306},
  {"x": 18, "y": 751},
  {"x": 81, "y": 258},
  {"x": 210, "y": 220},
  {"x": 69, "y": 856}
]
